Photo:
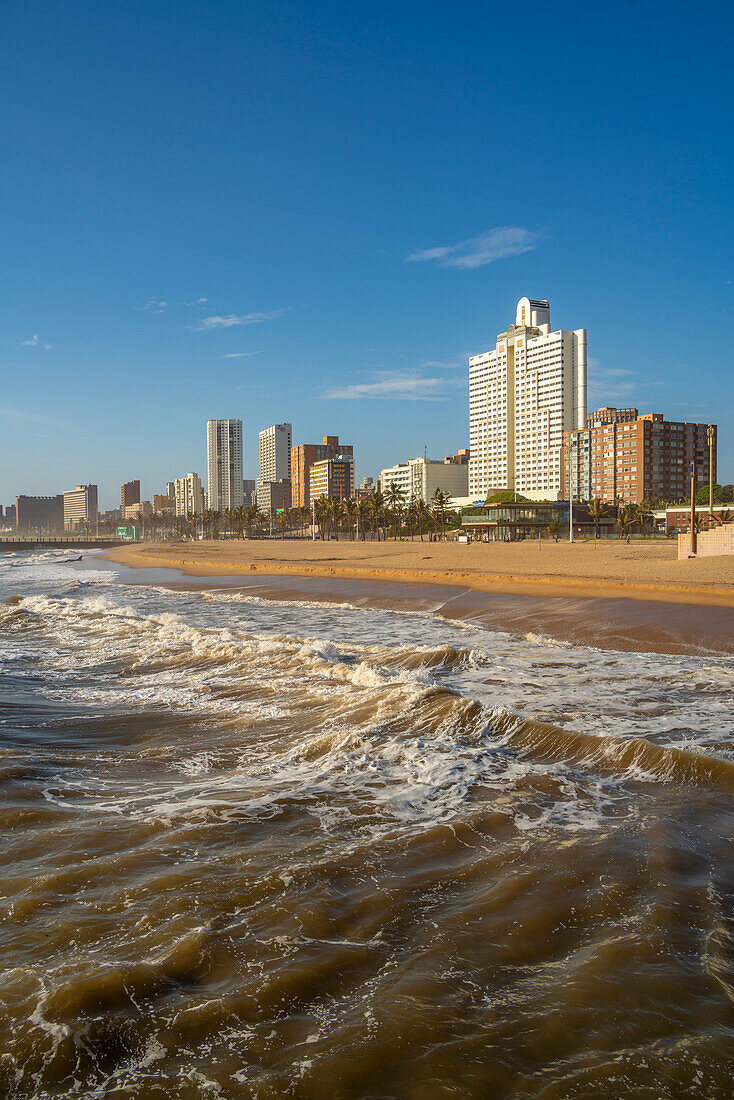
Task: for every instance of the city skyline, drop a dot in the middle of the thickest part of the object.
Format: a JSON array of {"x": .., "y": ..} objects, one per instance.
[{"x": 358, "y": 286}]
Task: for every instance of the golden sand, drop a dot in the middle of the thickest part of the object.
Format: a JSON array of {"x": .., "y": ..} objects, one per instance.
[{"x": 644, "y": 570}]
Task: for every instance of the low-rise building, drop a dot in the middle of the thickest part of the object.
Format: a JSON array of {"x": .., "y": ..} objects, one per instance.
[
  {"x": 142, "y": 510},
  {"x": 80, "y": 507},
  {"x": 164, "y": 504},
  {"x": 512, "y": 522},
  {"x": 420, "y": 478}
]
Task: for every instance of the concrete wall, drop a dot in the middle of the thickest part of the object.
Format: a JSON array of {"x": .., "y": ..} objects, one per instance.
[{"x": 710, "y": 544}]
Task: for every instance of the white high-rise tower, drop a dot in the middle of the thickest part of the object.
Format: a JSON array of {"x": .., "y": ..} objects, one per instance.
[
  {"x": 275, "y": 452},
  {"x": 224, "y": 464},
  {"x": 522, "y": 397}
]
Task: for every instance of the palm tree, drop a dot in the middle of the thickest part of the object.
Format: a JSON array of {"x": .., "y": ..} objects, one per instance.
[
  {"x": 422, "y": 513},
  {"x": 597, "y": 509},
  {"x": 252, "y": 515},
  {"x": 441, "y": 503},
  {"x": 377, "y": 507},
  {"x": 627, "y": 517},
  {"x": 335, "y": 512},
  {"x": 238, "y": 519},
  {"x": 363, "y": 515},
  {"x": 349, "y": 510},
  {"x": 553, "y": 526},
  {"x": 395, "y": 498},
  {"x": 322, "y": 513}
]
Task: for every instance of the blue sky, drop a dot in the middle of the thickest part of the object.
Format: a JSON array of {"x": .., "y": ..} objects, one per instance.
[{"x": 316, "y": 212}]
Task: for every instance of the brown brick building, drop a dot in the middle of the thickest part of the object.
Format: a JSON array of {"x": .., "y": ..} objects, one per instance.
[
  {"x": 621, "y": 455},
  {"x": 129, "y": 494},
  {"x": 303, "y": 457}
]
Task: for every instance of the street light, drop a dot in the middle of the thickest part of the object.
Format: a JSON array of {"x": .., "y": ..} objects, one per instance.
[{"x": 710, "y": 433}]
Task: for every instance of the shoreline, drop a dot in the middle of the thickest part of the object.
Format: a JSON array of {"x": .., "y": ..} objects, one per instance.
[{"x": 170, "y": 556}]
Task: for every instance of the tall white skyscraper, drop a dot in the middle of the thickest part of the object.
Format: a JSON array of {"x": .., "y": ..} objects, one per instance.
[
  {"x": 275, "y": 452},
  {"x": 224, "y": 464},
  {"x": 522, "y": 397}
]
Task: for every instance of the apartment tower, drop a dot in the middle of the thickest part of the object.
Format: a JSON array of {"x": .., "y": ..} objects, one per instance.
[
  {"x": 189, "y": 495},
  {"x": 224, "y": 464},
  {"x": 305, "y": 455},
  {"x": 80, "y": 506},
  {"x": 129, "y": 494},
  {"x": 523, "y": 396},
  {"x": 275, "y": 453},
  {"x": 623, "y": 456}
]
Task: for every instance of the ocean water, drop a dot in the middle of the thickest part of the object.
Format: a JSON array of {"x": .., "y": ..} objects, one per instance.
[{"x": 260, "y": 848}]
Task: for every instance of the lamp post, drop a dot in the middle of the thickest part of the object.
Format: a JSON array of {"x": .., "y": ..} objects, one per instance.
[
  {"x": 570, "y": 490},
  {"x": 710, "y": 432},
  {"x": 694, "y": 538}
]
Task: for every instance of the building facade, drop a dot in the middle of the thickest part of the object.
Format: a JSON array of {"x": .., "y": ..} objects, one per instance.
[
  {"x": 142, "y": 510},
  {"x": 420, "y": 478},
  {"x": 273, "y": 496},
  {"x": 275, "y": 452},
  {"x": 332, "y": 478},
  {"x": 523, "y": 396},
  {"x": 80, "y": 506},
  {"x": 163, "y": 503},
  {"x": 303, "y": 457},
  {"x": 129, "y": 494},
  {"x": 619, "y": 457},
  {"x": 44, "y": 515},
  {"x": 189, "y": 495},
  {"x": 224, "y": 464}
]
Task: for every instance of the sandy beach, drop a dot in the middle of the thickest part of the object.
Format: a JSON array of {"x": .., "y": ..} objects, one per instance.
[{"x": 645, "y": 570}]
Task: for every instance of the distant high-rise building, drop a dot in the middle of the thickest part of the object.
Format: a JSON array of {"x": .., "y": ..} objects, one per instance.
[
  {"x": 634, "y": 458},
  {"x": 171, "y": 489},
  {"x": 332, "y": 478},
  {"x": 189, "y": 495},
  {"x": 523, "y": 396},
  {"x": 224, "y": 464},
  {"x": 365, "y": 488},
  {"x": 275, "y": 453},
  {"x": 80, "y": 506},
  {"x": 249, "y": 490},
  {"x": 304, "y": 455},
  {"x": 44, "y": 515},
  {"x": 129, "y": 494},
  {"x": 10, "y": 515},
  {"x": 273, "y": 496},
  {"x": 163, "y": 503}
]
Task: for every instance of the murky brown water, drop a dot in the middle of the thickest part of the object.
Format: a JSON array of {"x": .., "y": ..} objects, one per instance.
[{"x": 271, "y": 849}]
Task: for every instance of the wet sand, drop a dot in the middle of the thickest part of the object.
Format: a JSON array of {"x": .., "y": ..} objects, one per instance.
[
  {"x": 645, "y": 570},
  {"x": 608, "y": 623}
]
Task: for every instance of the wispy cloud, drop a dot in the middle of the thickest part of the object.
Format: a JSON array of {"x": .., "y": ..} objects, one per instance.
[
  {"x": 495, "y": 244},
  {"x": 399, "y": 385},
  {"x": 21, "y": 414},
  {"x": 160, "y": 305},
  {"x": 240, "y": 354},
  {"x": 610, "y": 385},
  {"x": 34, "y": 342},
  {"x": 229, "y": 320}
]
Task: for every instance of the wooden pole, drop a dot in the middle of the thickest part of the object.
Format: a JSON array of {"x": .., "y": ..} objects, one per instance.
[{"x": 694, "y": 540}]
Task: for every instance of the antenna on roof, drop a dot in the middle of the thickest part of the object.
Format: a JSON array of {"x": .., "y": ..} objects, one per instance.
[{"x": 425, "y": 452}]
